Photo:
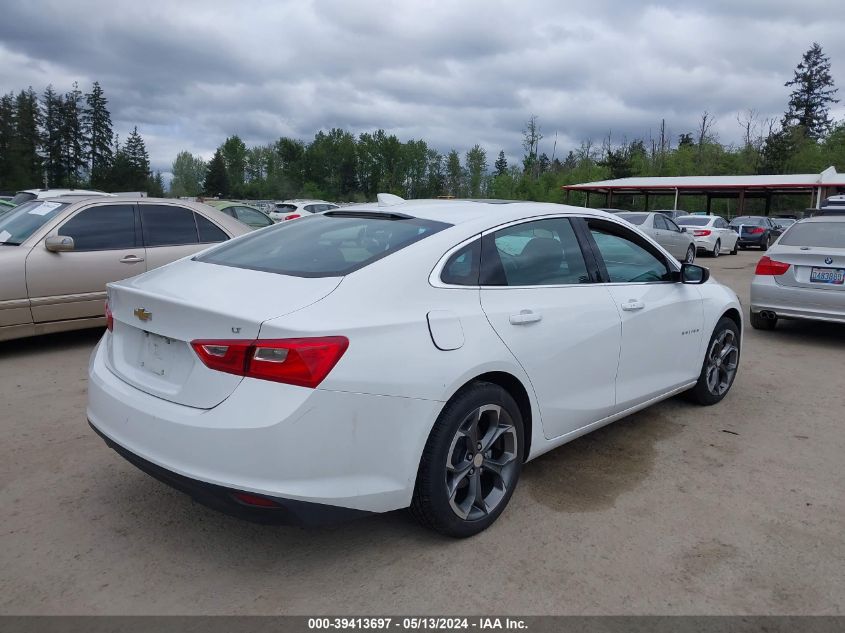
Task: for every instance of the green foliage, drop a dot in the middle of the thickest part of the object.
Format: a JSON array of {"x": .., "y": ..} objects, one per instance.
[
  {"x": 812, "y": 94},
  {"x": 188, "y": 175},
  {"x": 97, "y": 127},
  {"x": 217, "y": 176}
]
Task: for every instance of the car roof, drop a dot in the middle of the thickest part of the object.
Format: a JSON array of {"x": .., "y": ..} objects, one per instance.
[
  {"x": 824, "y": 218},
  {"x": 481, "y": 213}
]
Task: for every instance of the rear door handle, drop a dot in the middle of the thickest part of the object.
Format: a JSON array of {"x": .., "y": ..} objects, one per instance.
[
  {"x": 131, "y": 259},
  {"x": 524, "y": 317},
  {"x": 632, "y": 304}
]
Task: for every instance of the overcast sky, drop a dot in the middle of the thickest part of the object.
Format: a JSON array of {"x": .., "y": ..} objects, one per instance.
[{"x": 453, "y": 73}]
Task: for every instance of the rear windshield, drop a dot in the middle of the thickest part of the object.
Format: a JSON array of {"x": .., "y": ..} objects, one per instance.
[
  {"x": 284, "y": 208},
  {"x": 691, "y": 220},
  {"x": 323, "y": 245},
  {"x": 633, "y": 218},
  {"x": 748, "y": 219},
  {"x": 820, "y": 234},
  {"x": 21, "y": 222}
]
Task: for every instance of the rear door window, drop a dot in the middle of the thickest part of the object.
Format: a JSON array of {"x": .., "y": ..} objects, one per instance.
[
  {"x": 330, "y": 245},
  {"x": 166, "y": 225},
  {"x": 538, "y": 253},
  {"x": 102, "y": 228},
  {"x": 208, "y": 231}
]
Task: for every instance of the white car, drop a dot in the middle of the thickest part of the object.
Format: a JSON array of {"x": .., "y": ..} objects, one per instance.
[
  {"x": 664, "y": 231},
  {"x": 292, "y": 209},
  {"x": 712, "y": 234},
  {"x": 411, "y": 354}
]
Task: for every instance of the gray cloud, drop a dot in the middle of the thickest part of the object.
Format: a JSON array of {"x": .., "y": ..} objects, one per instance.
[{"x": 191, "y": 73}]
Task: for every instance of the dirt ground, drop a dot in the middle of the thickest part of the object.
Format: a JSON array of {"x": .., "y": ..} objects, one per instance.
[{"x": 732, "y": 509}]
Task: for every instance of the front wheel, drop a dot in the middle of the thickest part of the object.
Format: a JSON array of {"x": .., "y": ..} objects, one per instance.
[
  {"x": 690, "y": 258},
  {"x": 735, "y": 248},
  {"x": 720, "y": 364},
  {"x": 471, "y": 463}
]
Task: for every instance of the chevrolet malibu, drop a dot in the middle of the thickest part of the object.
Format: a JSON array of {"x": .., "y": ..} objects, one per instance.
[{"x": 406, "y": 354}]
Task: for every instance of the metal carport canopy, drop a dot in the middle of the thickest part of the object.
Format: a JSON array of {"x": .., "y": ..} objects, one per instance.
[{"x": 755, "y": 186}]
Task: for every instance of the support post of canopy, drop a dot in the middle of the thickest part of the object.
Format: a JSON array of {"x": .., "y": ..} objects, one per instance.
[{"x": 676, "y": 199}]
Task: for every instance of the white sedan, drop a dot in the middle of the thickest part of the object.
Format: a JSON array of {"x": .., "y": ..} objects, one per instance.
[
  {"x": 712, "y": 234},
  {"x": 402, "y": 354}
]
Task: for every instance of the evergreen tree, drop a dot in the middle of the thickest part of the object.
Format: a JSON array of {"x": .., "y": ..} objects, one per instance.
[
  {"x": 138, "y": 161},
  {"x": 7, "y": 135},
  {"x": 52, "y": 106},
  {"x": 99, "y": 136},
  {"x": 72, "y": 138},
  {"x": 501, "y": 164},
  {"x": 121, "y": 172},
  {"x": 812, "y": 94},
  {"x": 26, "y": 161},
  {"x": 216, "y": 176},
  {"x": 155, "y": 186},
  {"x": 234, "y": 154},
  {"x": 454, "y": 174}
]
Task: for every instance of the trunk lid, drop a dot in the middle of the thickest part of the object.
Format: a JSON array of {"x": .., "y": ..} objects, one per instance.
[
  {"x": 157, "y": 315},
  {"x": 802, "y": 261}
]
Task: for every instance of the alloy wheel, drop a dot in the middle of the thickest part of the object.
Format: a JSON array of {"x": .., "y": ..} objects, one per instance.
[
  {"x": 481, "y": 462},
  {"x": 690, "y": 255},
  {"x": 722, "y": 362}
]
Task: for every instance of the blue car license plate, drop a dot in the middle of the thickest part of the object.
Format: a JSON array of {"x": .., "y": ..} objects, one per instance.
[{"x": 827, "y": 276}]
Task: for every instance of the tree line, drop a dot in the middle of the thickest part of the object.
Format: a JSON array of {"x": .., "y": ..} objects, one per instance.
[
  {"x": 67, "y": 141},
  {"x": 338, "y": 165}
]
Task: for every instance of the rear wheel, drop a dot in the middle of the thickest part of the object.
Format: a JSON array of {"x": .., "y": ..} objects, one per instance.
[
  {"x": 767, "y": 244},
  {"x": 720, "y": 364},
  {"x": 690, "y": 258},
  {"x": 717, "y": 247},
  {"x": 759, "y": 322},
  {"x": 471, "y": 462}
]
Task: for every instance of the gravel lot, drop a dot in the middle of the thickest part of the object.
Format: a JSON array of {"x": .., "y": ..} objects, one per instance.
[{"x": 733, "y": 509}]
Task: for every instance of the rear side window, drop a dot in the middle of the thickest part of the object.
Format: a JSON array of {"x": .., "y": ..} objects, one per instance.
[
  {"x": 462, "y": 268},
  {"x": 252, "y": 217},
  {"x": 166, "y": 225},
  {"x": 818, "y": 234},
  {"x": 102, "y": 228},
  {"x": 208, "y": 231},
  {"x": 660, "y": 223},
  {"x": 539, "y": 253},
  {"x": 324, "y": 245}
]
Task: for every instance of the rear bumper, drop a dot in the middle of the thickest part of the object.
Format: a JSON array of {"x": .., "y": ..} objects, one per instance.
[
  {"x": 705, "y": 243},
  {"x": 350, "y": 450},
  {"x": 222, "y": 499},
  {"x": 797, "y": 303},
  {"x": 752, "y": 240}
]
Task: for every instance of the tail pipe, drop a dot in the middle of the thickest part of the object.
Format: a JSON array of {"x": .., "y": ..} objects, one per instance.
[{"x": 768, "y": 314}]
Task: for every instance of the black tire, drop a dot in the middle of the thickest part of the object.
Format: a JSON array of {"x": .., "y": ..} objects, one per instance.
[
  {"x": 767, "y": 244},
  {"x": 759, "y": 323},
  {"x": 716, "y": 249},
  {"x": 690, "y": 258},
  {"x": 707, "y": 391},
  {"x": 742, "y": 248},
  {"x": 432, "y": 504},
  {"x": 734, "y": 251}
]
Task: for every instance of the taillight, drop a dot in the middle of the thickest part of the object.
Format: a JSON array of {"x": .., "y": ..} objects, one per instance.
[
  {"x": 109, "y": 318},
  {"x": 295, "y": 361},
  {"x": 293, "y": 216},
  {"x": 757, "y": 230},
  {"x": 255, "y": 500},
  {"x": 769, "y": 266},
  {"x": 701, "y": 232}
]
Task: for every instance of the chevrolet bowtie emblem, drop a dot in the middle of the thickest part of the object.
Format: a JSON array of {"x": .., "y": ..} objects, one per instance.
[{"x": 142, "y": 314}]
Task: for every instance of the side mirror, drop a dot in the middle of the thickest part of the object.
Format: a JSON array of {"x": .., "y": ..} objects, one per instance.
[
  {"x": 59, "y": 243},
  {"x": 694, "y": 274},
  {"x": 684, "y": 229}
]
